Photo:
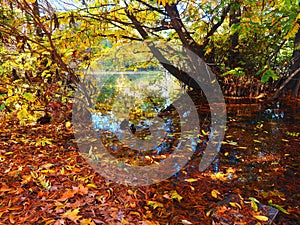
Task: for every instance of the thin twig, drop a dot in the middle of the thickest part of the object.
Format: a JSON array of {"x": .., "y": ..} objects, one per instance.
[{"x": 285, "y": 83}]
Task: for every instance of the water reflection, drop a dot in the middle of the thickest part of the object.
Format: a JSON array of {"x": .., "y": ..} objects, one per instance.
[{"x": 138, "y": 115}]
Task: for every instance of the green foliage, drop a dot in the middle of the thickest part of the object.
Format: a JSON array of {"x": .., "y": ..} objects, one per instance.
[
  {"x": 238, "y": 71},
  {"x": 280, "y": 208},
  {"x": 49, "y": 49}
]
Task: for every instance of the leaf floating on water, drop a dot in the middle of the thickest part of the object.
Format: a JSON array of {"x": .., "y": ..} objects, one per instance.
[{"x": 234, "y": 143}]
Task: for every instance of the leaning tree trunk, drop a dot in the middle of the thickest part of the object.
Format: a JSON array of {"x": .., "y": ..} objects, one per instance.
[
  {"x": 295, "y": 65},
  {"x": 234, "y": 18}
]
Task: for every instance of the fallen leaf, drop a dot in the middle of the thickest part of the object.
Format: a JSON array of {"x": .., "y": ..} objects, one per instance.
[
  {"x": 72, "y": 215},
  {"x": 66, "y": 195},
  {"x": 190, "y": 180},
  {"x": 87, "y": 222},
  {"x": 261, "y": 218},
  {"x": 215, "y": 193},
  {"x": 155, "y": 204},
  {"x": 175, "y": 195},
  {"x": 186, "y": 222},
  {"x": 81, "y": 189}
]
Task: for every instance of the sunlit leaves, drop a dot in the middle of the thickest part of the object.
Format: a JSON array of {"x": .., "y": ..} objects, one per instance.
[
  {"x": 191, "y": 180},
  {"x": 261, "y": 218},
  {"x": 72, "y": 215},
  {"x": 254, "y": 204},
  {"x": 40, "y": 180},
  {"x": 215, "y": 193},
  {"x": 235, "y": 205},
  {"x": 43, "y": 142},
  {"x": 270, "y": 202},
  {"x": 175, "y": 195},
  {"x": 155, "y": 204}
]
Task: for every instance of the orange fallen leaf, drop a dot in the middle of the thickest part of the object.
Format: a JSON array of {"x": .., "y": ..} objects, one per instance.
[
  {"x": 87, "y": 222},
  {"x": 72, "y": 215},
  {"x": 11, "y": 219},
  {"x": 68, "y": 194},
  {"x": 81, "y": 189}
]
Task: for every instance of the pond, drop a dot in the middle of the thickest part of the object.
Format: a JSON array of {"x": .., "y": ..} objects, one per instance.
[{"x": 259, "y": 155}]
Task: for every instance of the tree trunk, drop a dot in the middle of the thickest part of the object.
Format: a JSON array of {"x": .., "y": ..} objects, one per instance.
[
  {"x": 295, "y": 82},
  {"x": 36, "y": 11},
  {"x": 234, "y": 18}
]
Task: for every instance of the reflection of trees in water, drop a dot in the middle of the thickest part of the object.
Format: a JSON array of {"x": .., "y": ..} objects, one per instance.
[{"x": 112, "y": 132}]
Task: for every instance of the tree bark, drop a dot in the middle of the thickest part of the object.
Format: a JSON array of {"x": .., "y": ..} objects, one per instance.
[
  {"x": 295, "y": 65},
  {"x": 234, "y": 18}
]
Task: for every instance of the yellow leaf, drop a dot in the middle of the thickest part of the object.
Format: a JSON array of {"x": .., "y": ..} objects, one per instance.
[
  {"x": 230, "y": 170},
  {"x": 208, "y": 50},
  {"x": 204, "y": 133},
  {"x": 91, "y": 185},
  {"x": 8, "y": 153},
  {"x": 215, "y": 193},
  {"x": 162, "y": 2},
  {"x": 155, "y": 204},
  {"x": 87, "y": 222},
  {"x": 22, "y": 114},
  {"x": 185, "y": 222},
  {"x": 208, "y": 213},
  {"x": 261, "y": 218},
  {"x": 123, "y": 221},
  {"x": 72, "y": 215},
  {"x": 175, "y": 195},
  {"x": 254, "y": 206},
  {"x": 190, "y": 180},
  {"x": 62, "y": 171},
  {"x": 235, "y": 205},
  {"x": 48, "y": 171},
  {"x": 293, "y": 31},
  {"x": 68, "y": 124}
]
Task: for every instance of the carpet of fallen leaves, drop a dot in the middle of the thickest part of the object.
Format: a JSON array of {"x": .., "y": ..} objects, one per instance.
[{"x": 44, "y": 180}]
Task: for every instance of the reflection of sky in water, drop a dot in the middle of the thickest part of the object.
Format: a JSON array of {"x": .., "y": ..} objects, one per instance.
[{"x": 141, "y": 92}]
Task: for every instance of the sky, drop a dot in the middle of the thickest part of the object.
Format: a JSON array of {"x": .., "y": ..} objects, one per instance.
[{"x": 63, "y": 4}]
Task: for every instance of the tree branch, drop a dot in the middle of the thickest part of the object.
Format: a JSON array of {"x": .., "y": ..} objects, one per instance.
[
  {"x": 286, "y": 82},
  {"x": 176, "y": 72},
  {"x": 182, "y": 32},
  {"x": 215, "y": 27}
]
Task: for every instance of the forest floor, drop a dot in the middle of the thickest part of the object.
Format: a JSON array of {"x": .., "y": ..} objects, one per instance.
[{"x": 45, "y": 180}]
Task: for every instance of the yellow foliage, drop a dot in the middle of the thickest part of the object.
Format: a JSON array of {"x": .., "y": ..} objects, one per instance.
[
  {"x": 293, "y": 31},
  {"x": 72, "y": 215},
  {"x": 215, "y": 193}
]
